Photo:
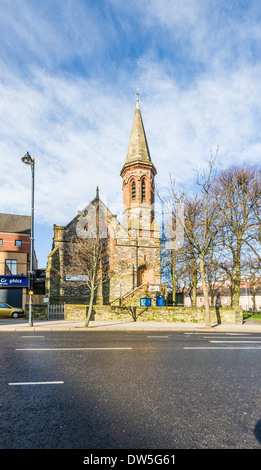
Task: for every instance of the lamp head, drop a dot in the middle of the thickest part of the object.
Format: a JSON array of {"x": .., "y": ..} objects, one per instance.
[{"x": 27, "y": 159}]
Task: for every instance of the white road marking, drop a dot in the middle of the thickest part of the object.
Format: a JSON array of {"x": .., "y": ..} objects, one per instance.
[
  {"x": 226, "y": 347},
  {"x": 71, "y": 349},
  {"x": 240, "y": 334},
  {"x": 32, "y": 336},
  {"x": 234, "y": 341},
  {"x": 157, "y": 336},
  {"x": 35, "y": 383},
  {"x": 245, "y": 337},
  {"x": 216, "y": 333}
]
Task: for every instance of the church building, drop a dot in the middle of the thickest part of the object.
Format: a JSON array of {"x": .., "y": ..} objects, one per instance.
[{"x": 134, "y": 248}]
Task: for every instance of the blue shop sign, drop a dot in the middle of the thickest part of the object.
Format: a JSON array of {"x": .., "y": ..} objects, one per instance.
[{"x": 13, "y": 281}]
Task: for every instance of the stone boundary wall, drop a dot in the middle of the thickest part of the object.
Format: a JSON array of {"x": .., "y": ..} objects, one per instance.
[
  {"x": 160, "y": 314},
  {"x": 39, "y": 311}
]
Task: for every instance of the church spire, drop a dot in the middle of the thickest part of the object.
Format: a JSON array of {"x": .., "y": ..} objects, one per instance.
[
  {"x": 137, "y": 99},
  {"x": 138, "y": 187},
  {"x": 138, "y": 149}
]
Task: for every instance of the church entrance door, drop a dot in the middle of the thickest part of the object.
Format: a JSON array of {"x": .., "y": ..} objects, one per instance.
[{"x": 145, "y": 275}]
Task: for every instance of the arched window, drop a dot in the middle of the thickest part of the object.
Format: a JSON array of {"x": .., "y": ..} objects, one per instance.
[
  {"x": 143, "y": 191},
  {"x": 133, "y": 190}
]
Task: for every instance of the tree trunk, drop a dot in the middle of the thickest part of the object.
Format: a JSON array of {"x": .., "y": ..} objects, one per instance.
[
  {"x": 212, "y": 296},
  {"x": 232, "y": 288},
  {"x": 194, "y": 288},
  {"x": 134, "y": 313},
  {"x": 205, "y": 290},
  {"x": 254, "y": 302},
  {"x": 90, "y": 308},
  {"x": 252, "y": 289},
  {"x": 236, "y": 295},
  {"x": 173, "y": 255}
]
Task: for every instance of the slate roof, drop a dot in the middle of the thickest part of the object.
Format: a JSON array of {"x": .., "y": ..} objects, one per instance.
[{"x": 15, "y": 223}]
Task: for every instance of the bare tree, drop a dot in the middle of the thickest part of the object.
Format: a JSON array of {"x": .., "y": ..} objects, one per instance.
[
  {"x": 203, "y": 222},
  {"x": 180, "y": 263},
  {"x": 90, "y": 252},
  {"x": 91, "y": 261},
  {"x": 228, "y": 268},
  {"x": 220, "y": 222},
  {"x": 255, "y": 242},
  {"x": 252, "y": 276},
  {"x": 172, "y": 253},
  {"x": 191, "y": 267},
  {"x": 238, "y": 190},
  {"x": 214, "y": 276},
  {"x": 174, "y": 269},
  {"x": 192, "y": 274}
]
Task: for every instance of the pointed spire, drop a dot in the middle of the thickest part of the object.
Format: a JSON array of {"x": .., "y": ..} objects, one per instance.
[
  {"x": 137, "y": 99},
  {"x": 97, "y": 192},
  {"x": 138, "y": 150}
]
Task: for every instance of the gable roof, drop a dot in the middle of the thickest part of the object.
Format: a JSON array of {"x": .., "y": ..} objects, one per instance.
[
  {"x": 104, "y": 213},
  {"x": 15, "y": 223}
]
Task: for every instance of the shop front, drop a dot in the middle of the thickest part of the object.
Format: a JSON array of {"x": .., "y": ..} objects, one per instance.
[{"x": 13, "y": 290}]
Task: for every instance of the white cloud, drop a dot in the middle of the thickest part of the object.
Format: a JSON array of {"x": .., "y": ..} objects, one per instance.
[
  {"x": 51, "y": 33},
  {"x": 79, "y": 133},
  {"x": 67, "y": 85},
  {"x": 216, "y": 110},
  {"x": 74, "y": 131}
]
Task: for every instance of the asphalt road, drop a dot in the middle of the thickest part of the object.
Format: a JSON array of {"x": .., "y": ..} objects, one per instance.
[{"x": 130, "y": 390}]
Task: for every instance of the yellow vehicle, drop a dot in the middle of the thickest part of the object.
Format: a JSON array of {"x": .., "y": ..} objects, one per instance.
[{"x": 7, "y": 311}]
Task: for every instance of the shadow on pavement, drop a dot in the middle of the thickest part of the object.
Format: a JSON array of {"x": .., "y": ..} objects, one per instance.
[{"x": 257, "y": 430}]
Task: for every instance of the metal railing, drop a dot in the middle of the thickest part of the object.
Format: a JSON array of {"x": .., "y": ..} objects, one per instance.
[{"x": 55, "y": 311}]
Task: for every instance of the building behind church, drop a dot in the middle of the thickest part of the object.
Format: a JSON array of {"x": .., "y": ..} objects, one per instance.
[
  {"x": 15, "y": 233},
  {"x": 134, "y": 247}
]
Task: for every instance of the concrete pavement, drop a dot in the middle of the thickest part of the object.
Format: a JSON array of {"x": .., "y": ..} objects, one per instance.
[{"x": 67, "y": 325}]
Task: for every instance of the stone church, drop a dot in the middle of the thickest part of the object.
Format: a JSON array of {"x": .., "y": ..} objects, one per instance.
[{"x": 134, "y": 247}]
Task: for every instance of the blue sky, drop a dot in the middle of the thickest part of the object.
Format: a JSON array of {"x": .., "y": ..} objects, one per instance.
[{"x": 69, "y": 72}]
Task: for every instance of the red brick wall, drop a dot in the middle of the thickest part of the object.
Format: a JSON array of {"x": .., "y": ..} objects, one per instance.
[
  {"x": 9, "y": 242},
  {"x": 8, "y": 250}
]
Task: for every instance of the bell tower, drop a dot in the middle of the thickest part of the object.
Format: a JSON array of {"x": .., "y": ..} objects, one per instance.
[{"x": 138, "y": 175}]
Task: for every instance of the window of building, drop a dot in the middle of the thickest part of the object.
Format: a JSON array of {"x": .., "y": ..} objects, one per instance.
[
  {"x": 1, "y": 241},
  {"x": 18, "y": 243},
  {"x": 11, "y": 266},
  {"x": 143, "y": 191},
  {"x": 133, "y": 190}
]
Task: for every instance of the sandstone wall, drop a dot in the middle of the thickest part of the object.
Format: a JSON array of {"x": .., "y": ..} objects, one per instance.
[{"x": 160, "y": 314}]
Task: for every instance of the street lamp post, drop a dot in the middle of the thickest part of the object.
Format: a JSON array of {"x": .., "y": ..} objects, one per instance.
[{"x": 30, "y": 161}]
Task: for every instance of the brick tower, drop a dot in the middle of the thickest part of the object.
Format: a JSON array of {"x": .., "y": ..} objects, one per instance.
[{"x": 138, "y": 175}]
